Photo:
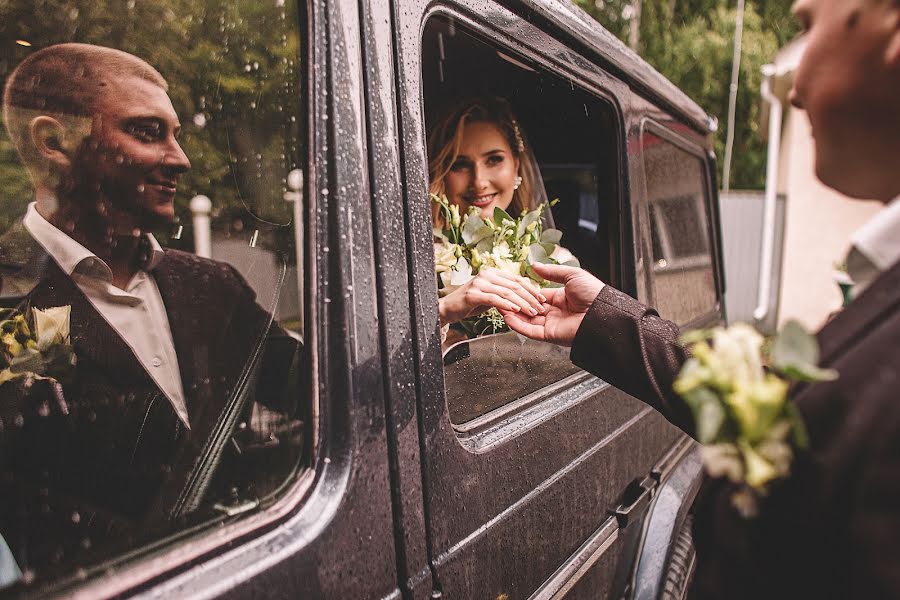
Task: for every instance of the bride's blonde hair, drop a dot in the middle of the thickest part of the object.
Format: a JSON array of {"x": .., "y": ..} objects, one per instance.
[{"x": 445, "y": 139}]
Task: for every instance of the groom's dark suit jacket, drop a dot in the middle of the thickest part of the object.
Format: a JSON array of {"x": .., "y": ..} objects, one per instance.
[
  {"x": 832, "y": 530},
  {"x": 118, "y": 462}
]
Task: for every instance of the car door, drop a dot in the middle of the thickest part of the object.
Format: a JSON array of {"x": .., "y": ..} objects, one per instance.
[{"x": 520, "y": 495}]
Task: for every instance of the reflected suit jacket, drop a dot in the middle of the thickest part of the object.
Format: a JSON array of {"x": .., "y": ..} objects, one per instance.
[
  {"x": 832, "y": 529},
  {"x": 119, "y": 461}
]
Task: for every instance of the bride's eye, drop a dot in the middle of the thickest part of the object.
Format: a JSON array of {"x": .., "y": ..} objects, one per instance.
[
  {"x": 495, "y": 159},
  {"x": 459, "y": 165}
]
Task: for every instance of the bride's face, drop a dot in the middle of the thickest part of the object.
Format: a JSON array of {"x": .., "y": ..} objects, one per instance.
[{"x": 484, "y": 174}]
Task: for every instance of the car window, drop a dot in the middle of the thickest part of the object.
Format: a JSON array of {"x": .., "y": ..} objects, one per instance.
[
  {"x": 566, "y": 142},
  {"x": 683, "y": 276},
  {"x": 152, "y": 361}
]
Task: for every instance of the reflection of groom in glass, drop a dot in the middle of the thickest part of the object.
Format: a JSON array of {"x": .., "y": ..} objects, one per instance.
[{"x": 164, "y": 339}]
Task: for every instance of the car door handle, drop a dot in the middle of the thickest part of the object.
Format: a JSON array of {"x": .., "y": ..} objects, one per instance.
[{"x": 637, "y": 498}]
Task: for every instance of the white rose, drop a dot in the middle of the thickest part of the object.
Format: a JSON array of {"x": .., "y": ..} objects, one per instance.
[
  {"x": 445, "y": 256},
  {"x": 51, "y": 326},
  {"x": 738, "y": 349},
  {"x": 510, "y": 266},
  {"x": 501, "y": 252},
  {"x": 459, "y": 274},
  {"x": 562, "y": 255}
]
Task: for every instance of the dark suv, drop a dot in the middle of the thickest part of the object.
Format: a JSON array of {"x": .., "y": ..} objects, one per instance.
[{"x": 496, "y": 471}]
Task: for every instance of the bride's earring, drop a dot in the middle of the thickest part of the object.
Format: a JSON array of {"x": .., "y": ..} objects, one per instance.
[{"x": 518, "y": 182}]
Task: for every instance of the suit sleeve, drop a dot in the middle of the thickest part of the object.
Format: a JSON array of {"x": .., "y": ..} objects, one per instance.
[
  {"x": 629, "y": 346},
  {"x": 279, "y": 366}
]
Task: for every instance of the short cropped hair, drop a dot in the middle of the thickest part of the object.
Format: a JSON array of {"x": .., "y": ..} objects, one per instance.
[{"x": 64, "y": 80}]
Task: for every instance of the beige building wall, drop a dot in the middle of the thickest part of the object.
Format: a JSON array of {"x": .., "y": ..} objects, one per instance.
[{"x": 818, "y": 225}]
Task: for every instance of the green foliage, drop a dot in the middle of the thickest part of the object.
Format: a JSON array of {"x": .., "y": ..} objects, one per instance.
[
  {"x": 234, "y": 76},
  {"x": 795, "y": 354},
  {"x": 691, "y": 43}
]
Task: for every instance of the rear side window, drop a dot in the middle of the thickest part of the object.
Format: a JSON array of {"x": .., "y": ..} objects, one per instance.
[
  {"x": 153, "y": 364},
  {"x": 677, "y": 194}
]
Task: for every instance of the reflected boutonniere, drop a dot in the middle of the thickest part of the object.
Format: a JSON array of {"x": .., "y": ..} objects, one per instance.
[
  {"x": 38, "y": 348},
  {"x": 736, "y": 384}
]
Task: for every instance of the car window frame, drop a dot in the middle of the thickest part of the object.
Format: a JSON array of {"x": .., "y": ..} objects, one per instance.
[
  {"x": 709, "y": 201},
  {"x": 481, "y": 433},
  {"x": 160, "y": 559}
]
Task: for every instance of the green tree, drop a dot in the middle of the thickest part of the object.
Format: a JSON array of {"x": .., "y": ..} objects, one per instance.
[
  {"x": 691, "y": 43},
  {"x": 233, "y": 73}
]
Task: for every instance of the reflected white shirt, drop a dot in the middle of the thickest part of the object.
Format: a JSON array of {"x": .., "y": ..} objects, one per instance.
[
  {"x": 875, "y": 247},
  {"x": 136, "y": 313}
]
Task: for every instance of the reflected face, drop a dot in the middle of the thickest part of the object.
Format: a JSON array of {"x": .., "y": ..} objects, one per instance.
[
  {"x": 133, "y": 157},
  {"x": 484, "y": 174},
  {"x": 843, "y": 83}
]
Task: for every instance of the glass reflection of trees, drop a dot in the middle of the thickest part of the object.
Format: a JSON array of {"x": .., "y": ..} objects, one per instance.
[{"x": 233, "y": 71}]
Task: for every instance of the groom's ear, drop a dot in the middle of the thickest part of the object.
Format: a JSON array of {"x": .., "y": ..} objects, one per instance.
[
  {"x": 48, "y": 136},
  {"x": 892, "y": 49}
]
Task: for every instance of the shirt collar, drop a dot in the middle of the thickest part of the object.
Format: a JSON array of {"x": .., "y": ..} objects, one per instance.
[
  {"x": 68, "y": 253},
  {"x": 875, "y": 246}
]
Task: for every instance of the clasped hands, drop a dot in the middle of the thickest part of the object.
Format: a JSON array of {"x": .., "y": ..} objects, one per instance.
[{"x": 549, "y": 314}]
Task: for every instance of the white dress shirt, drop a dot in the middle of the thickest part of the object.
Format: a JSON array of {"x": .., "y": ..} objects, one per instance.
[
  {"x": 874, "y": 247},
  {"x": 136, "y": 313}
]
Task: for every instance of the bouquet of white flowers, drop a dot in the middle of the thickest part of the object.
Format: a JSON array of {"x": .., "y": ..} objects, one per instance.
[
  {"x": 736, "y": 384},
  {"x": 469, "y": 243}
]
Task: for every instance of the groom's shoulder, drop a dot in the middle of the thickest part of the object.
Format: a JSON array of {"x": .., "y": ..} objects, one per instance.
[
  {"x": 860, "y": 408},
  {"x": 193, "y": 270},
  {"x": 187, "y": 261}
]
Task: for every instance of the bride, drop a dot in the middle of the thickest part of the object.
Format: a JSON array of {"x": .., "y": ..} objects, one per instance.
[{"x": 478, "y": 156}]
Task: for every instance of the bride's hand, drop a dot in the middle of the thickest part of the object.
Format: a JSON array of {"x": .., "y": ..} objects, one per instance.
[{"x": 491, "y": 288}]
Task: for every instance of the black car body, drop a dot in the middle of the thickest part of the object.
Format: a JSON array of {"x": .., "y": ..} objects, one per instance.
[{"x": 570, "y": 487}]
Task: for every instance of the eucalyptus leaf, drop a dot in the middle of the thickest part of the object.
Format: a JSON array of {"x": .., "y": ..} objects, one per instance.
[
  {"x": 551, "y": 236},
  {"x": 537, "y": 254},
  {"x": 529, "y": 218},
  {"x": 486, "y": 244},
  {"x": 572, "y": 262},
  {"x": 795, "y": 354},
  {"x": 794, "y": 344},
  {"x": 475, "y": 230},
  {"x": 532, "y": 274},
  {"x": 548, "y": 248},
  {"x": 709, "y": 414},
  {"x": 500, "y": 215}
]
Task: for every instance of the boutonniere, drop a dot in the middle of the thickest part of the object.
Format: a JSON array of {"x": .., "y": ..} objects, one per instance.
[
  {"x": 736, "y": 385},
  {"x": 469, "y": 243},
  {"x": 36, "y": 348}
]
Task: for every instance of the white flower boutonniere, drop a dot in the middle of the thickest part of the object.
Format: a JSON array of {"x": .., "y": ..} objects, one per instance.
[
  {"x": 736, "y": 384},
  {"x": 51, "y": 326},
  {"x": 38, "y": 348}
]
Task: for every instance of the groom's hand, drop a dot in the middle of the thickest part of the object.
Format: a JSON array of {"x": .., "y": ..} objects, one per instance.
[{"x": 567, "y": 305}]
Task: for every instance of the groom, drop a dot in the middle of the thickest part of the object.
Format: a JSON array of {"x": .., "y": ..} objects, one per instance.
[
  {"x": 167, "y": 344},
  {"x": 832, "y": 530}
]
